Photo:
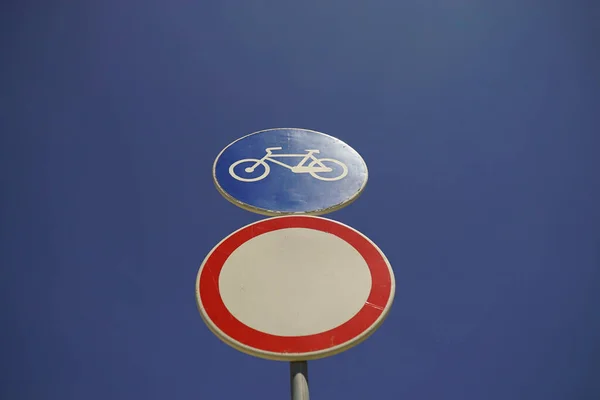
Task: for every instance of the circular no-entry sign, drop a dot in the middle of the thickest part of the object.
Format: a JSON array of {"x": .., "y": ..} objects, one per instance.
[{"x": 294, "y": 288}]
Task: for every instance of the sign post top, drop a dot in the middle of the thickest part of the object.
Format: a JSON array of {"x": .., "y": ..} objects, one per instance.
[
  {"x": 294, "y": 288},
  {"x": 286, "y": 171}
]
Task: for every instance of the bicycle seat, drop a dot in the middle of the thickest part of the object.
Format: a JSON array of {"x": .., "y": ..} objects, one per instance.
[
  {"x": 313, "y": 150},
  {"x": 273, "y": 148}
]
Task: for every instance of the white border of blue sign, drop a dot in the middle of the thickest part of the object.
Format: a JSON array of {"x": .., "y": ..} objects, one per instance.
[{"x": 266, "y": 212}]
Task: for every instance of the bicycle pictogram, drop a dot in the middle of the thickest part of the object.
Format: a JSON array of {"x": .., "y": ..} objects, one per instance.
[{"x": 315, "y": 167}]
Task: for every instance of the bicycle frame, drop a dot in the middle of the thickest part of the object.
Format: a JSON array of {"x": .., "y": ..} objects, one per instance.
[{"x": 300, "y": 166}]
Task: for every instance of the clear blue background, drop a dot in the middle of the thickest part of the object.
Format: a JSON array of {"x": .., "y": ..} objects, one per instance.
[{"x": 478, "y": 121}]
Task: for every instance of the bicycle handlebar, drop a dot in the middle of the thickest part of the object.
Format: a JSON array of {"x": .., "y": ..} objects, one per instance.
[{"x": 273, "y": 148}]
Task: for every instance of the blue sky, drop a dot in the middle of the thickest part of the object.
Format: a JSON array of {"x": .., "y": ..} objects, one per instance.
[{"x": 478, "y": 121}]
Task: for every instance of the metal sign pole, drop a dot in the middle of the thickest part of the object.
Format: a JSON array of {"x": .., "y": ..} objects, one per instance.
[{"x": 299, "y": 380}]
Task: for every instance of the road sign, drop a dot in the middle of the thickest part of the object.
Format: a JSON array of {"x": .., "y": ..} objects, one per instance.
[
  {"x": 294, "y": 288},
  {"x": 290, "y": 171}
]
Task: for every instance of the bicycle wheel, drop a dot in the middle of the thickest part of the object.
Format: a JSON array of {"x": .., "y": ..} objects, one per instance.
[
  {"x": 337, "y": 174},
  {"x": 248, "y": 170}
]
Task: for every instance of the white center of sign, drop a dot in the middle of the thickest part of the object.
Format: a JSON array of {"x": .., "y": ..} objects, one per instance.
[{"x": 295, "y": 282}]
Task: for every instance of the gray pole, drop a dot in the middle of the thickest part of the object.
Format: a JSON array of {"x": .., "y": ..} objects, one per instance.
[{"x": 299, "y": 380}]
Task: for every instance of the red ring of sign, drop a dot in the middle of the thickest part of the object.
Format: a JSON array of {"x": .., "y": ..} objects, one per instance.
[{"x": 215, "y": 309}]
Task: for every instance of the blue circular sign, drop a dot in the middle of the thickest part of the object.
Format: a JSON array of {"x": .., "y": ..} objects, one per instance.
[{"x": 290, "y": 171}]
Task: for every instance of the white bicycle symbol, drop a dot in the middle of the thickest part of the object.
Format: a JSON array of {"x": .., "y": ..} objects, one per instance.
[{"x": 315, "y": 167}]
